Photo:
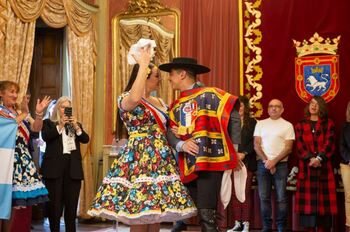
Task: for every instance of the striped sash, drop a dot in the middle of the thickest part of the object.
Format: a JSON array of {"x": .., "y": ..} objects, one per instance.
[{"x": 8, "y": 129}]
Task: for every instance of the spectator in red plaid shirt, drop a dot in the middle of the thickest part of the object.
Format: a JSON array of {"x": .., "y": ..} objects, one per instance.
[{"x": 316, "y": 191}]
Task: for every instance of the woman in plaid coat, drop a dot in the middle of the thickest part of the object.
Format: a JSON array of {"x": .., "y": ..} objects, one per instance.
[{"x": 316, "y": 191}]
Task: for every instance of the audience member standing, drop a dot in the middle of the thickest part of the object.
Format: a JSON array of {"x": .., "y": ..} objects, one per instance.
[
  {"x": 273, "y": 143},
  {"x": 246, "y": 153},
  {"x": 62, "y": 167},
  {"x": 316, "y": 191},
  {"x": 27, "y": 188}
]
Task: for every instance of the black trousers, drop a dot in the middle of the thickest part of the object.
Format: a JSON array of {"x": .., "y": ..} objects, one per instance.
[
  {"x": 206, "y": 189},
  {"x": 313, "y": 220},
  {"x": 64, "y": 196}
]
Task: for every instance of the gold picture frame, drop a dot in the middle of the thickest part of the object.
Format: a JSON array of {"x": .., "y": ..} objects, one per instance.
[{"x": 151, "y": 14}]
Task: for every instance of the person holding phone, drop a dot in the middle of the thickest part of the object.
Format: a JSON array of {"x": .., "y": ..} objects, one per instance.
[
  {"x": 62, "y": 168},
  {"x": 68, "y": 111}
]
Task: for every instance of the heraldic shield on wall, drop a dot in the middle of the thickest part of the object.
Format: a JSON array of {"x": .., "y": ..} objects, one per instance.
[{"x": 317, "y": 68}]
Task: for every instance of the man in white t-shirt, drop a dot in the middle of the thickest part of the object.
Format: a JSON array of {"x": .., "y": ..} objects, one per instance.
[{"x": 273, "y": 142}]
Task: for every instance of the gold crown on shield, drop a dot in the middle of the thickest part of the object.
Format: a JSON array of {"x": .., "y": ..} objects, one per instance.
[
  {"x": 317, "y": 45},
  {"x": 317, "y": 70}
]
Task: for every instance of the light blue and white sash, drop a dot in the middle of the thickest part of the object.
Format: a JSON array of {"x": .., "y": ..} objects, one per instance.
[{"x": 8, "y": 129}]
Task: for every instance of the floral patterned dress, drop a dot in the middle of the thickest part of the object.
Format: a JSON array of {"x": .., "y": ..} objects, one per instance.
[
  {"x": 143, "y": 185},
  {"x": 28, "y": 188}
]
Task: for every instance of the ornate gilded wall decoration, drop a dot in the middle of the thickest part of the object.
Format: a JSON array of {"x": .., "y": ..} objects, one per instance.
[
  {"x": 250, "y": 52},
  {"x": 317, "y": 74},
  {"x": 144, "y": 7}
]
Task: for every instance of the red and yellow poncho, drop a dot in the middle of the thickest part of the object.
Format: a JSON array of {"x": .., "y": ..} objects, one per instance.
[{"x": 203, "y": 114}]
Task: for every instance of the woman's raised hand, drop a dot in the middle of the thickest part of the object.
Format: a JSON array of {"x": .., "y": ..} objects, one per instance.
[
  {"x": 144, "y": 57},
  {"x": 42, "y": 105}
]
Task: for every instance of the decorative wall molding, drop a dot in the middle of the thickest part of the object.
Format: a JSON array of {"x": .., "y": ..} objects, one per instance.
[
  {"x": 251, "y": 70},
  {"x": 144, "y": 6}
]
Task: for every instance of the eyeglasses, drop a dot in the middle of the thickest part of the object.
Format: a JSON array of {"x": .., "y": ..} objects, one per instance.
[{"x": 275, "y": 106}]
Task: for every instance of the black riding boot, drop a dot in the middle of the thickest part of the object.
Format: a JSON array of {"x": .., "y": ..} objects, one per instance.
[{"x": 207, "y": 220}]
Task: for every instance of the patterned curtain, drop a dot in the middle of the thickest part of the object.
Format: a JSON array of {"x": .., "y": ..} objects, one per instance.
[
  {"x": 16, "y": 48},
  {"x": 17, "y": 30},
  {"x": 83, "y": 56}
]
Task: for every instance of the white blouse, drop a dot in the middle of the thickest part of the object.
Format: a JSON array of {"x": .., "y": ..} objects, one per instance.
[{"x": 68, "y": 141}]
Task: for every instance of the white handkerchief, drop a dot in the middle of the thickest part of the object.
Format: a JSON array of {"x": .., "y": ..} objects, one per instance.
[
  {"x": 240, "y": 180},
  {"x": 226, "y": 188},
  {"x": 134, "y": 49}
]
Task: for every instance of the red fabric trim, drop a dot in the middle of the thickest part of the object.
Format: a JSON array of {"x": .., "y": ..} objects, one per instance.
[
  {"x": 189, "y": 92},
  {"x": 181, "y": 162},
  {"x": 23, "y": 132},
  {"x": 222, "y": 166},
  {"x": 225, "y": 120},
  {"x": 155, "y": 115}
]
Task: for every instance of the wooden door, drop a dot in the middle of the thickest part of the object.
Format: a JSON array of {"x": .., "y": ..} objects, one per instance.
[
  {"x": 45, "y": 79},
  {"x": 46, "y": 71}
]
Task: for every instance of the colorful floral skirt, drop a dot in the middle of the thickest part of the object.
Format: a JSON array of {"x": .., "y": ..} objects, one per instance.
[
  {"x": 143, "y": 187},
  {"x": 28, "y": 188}
]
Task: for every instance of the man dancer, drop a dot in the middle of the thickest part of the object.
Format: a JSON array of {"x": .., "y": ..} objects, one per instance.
[{"x": 205, "y": 126}]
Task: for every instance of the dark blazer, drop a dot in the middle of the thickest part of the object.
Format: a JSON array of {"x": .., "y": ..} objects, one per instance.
[
  {"x": 53, "y": 160},
  {"x": 344, "y": 143},
  {"x": 247, "y": 145}
]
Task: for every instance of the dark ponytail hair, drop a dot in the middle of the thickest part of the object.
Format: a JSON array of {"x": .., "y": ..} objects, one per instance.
[
  {"x": 246, "y": 114},
  {"x": 133, "y": 75},
  {"x": 120, "y": 130}
]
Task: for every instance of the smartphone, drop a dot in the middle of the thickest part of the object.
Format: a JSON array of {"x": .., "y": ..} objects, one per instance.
[{"x": 68, "y": 111}]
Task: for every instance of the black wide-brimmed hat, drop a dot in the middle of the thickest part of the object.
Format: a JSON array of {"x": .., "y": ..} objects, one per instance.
[{"x": 185, "y": 63}]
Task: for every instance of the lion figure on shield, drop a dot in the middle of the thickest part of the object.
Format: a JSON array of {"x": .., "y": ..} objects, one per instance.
[{"x": 317, "y": 84}]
